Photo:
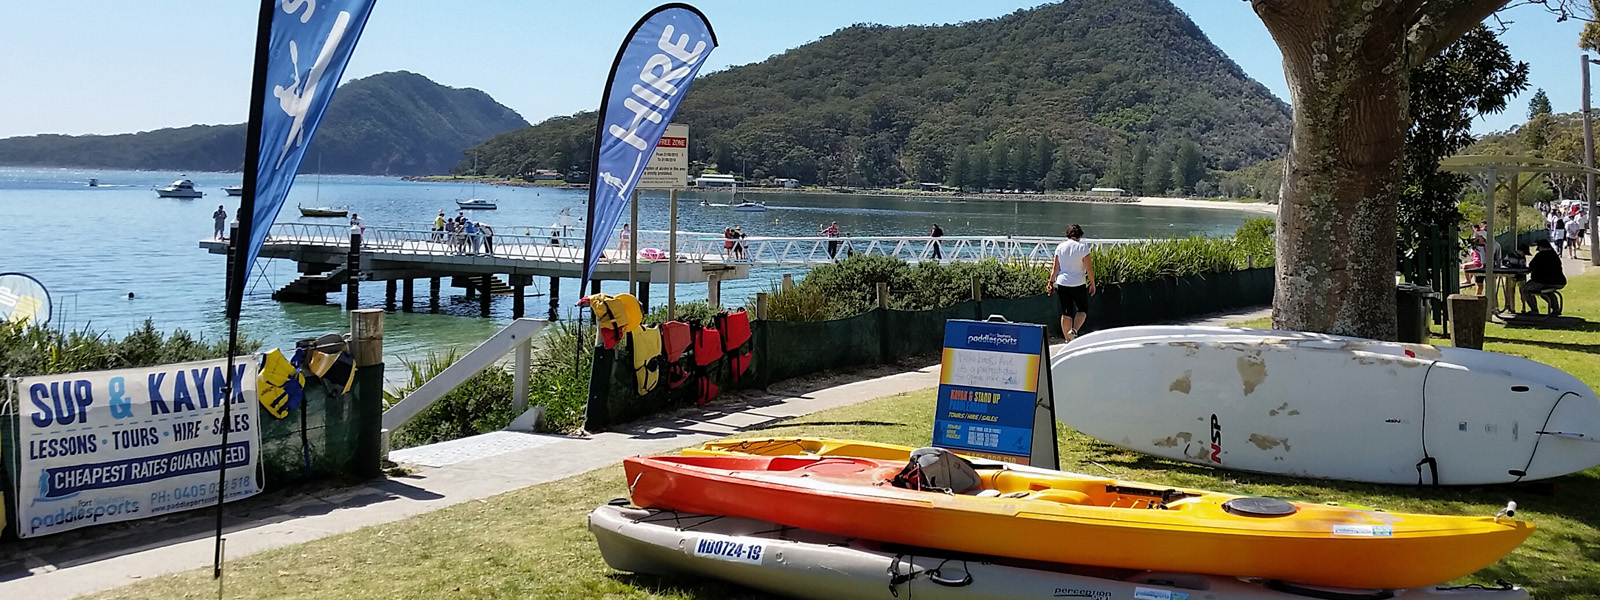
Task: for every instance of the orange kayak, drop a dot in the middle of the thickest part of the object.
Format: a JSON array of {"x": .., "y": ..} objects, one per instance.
[{"x": 1062, "y": 517}]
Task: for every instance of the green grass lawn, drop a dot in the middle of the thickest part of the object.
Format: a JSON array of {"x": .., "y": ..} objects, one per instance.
[{"x": 532, "y": 543}]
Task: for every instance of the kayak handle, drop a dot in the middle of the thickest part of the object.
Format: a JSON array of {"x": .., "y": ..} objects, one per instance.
[{"x": 937, "y": 577}]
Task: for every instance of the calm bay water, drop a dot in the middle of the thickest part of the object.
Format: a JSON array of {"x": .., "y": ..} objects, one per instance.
[{"x": 91, "y": 246}]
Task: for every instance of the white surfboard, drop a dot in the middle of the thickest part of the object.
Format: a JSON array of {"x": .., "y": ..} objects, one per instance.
[{"x": 1324, "y": 406}]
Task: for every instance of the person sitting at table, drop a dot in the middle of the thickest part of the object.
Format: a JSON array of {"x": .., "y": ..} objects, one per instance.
[
  {"x": 1517, "y": 261},
  {"x": 1474, "y": 261},
  {"x": 1544, "y": 275}
]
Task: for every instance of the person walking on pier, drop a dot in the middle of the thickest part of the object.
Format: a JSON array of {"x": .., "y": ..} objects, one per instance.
[
  {"x": 221, "y": 222},
  {"x": 1072, "y": 281},
  {"x": 832, "y": 231},
  {"x": 936, "y": 234}
]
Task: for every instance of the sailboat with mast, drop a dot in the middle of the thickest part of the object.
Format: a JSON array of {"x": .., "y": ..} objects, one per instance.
[
  {"x": 321, "y": 211},
  {"x": 474, "y": 202}
]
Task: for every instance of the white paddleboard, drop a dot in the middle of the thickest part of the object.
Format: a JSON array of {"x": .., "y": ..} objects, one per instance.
[{"x": 1324, "y": 406}]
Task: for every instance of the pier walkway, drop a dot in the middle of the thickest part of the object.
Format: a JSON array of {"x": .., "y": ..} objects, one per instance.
[{"x": 324, "y": 255}]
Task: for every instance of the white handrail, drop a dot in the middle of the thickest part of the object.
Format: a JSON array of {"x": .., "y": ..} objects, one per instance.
[
  {"x": 693, "y": 247},
  {"x": 515, "y": 336}
]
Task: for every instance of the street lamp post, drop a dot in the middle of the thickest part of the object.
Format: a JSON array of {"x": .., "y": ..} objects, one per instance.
[{"x": 1588, "y": 161}]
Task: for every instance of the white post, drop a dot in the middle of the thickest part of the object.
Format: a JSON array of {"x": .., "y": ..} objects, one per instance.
[
  {"x": 633, "y": 247},
  {"x": 1488, "y": 243},
  {"x": 519, "y": 386},
  {"x": 672, "y": 259}
]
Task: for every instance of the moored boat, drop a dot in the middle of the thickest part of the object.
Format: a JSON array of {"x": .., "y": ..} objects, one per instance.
[
  {"x": 181, "y": 188},
  {"x": 1030, "y": 514},
  {"x": 476, "y": 203},
  {"x": 322, "y": 211},
  {"x": 807, "y": 564},
  {"x": 234, "y": 190},
  {"x": 748, "y": 206}
]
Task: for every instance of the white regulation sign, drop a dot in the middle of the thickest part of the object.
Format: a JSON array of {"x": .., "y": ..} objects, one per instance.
[
  {"x": 668, "y": 168},
  {"x": 108, "y": 446}
]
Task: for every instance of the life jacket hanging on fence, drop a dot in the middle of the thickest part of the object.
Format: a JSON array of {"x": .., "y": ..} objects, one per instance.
[
  {"x": 735, "y": 328},
  {"x": 280, "y": 387},
  {"x": 675, "y": 341},
  {"x": 614, "y": 315},
  {"x": 645, "y": 345},
  {"x": 707, "y": 351}
]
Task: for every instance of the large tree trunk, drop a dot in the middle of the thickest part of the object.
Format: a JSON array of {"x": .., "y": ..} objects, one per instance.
[{"x": 1346, "y": 64}]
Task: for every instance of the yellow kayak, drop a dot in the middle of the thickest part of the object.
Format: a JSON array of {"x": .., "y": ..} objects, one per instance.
[{"x": 1070, "y": 518}]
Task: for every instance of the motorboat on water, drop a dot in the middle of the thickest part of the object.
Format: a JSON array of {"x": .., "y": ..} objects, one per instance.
[
  {"x": 181, "y": 188},
  {"x": 748, "y": 206},
  {"x": 322, "y": 211},
  {"x": 94, "y": 182},
  {"x": 234, "y": 190},
  {"x": 477, "y": 203}
]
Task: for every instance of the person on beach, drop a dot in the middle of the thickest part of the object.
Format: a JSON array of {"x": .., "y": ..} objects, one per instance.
[
  {"x": 1072, "y": 281},
  {"x": 221, "y": 222},
  {"x": 832, "y": 231},
  {"x": 936, "y": 234}
]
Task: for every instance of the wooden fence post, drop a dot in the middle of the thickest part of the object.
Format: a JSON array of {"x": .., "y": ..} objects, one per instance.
[
  {"x": 883, "y": 296},
  {"x": 761, "y": 306}
]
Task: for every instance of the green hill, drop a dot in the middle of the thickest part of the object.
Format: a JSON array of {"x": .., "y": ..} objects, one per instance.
[
  {"x": 1089, "y": 80},
  {"x": 396, "y": 123}
]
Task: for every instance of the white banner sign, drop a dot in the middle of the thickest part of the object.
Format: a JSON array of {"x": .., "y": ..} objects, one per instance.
[
  {"x": 668, "y": 168},
  {"x": 108, "y": 446}
]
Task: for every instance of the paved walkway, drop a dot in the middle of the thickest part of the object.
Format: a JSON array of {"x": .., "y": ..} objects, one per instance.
[{"x": 101, "y": 558}]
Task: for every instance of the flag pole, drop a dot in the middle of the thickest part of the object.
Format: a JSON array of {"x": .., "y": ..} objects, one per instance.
[{"x": 240, "y": 254}]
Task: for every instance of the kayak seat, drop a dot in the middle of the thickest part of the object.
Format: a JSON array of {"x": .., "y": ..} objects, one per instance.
[{"x": 1060, "y": 496}]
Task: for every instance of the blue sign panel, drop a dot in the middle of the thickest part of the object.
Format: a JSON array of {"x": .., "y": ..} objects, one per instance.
[{"x": 989, "y": 388}]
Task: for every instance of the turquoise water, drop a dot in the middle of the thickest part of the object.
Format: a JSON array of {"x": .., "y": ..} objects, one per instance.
[{"x": 92, "y": 246}]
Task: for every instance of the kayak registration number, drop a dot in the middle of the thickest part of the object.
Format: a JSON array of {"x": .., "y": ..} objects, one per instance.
[{"x": 729, "y": 549}]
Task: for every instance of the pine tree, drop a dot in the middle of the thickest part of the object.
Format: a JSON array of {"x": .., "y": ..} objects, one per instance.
[
  {"x": 1189, "y": 167},
  {"x": 1539, "y": 105},
  {"x": 1022, "y": 177},
  {"x": 1044, "y": 160},
  {"x": 979, "y": 176},
  {"x": 1132, "y": 176},
  {"x": 958, "y": 174},
  {"x": 1000, "y": 163},
  {"x": 1158, "y": 172},
  {"x": 1063, "y": 174}
]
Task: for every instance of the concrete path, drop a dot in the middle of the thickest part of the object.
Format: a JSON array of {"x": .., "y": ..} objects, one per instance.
[{"x": 100, "y": 558}]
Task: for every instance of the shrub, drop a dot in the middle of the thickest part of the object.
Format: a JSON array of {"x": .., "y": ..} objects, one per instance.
[
  {"x": 693, "y": 313},
  {"x": 38, "y": 350},
  {"x": 481, "y": 404}
]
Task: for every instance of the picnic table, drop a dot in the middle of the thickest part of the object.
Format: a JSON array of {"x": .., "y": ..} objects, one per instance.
[{"x": 1508, "y": 279}]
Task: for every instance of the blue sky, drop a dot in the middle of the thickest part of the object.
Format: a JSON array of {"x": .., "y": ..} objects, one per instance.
[{"x": 105, "y": 66}]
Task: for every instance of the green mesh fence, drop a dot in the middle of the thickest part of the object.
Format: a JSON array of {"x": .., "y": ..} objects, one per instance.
[{"x": 785, "y": 350}]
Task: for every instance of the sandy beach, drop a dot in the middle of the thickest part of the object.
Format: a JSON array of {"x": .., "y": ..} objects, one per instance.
[{"x": 1260, "y": 207}]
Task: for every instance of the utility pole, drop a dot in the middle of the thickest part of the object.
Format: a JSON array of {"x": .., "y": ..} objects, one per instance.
[{"x": 1588, "y": 161}]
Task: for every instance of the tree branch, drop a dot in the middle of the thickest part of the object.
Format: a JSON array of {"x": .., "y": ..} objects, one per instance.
[{"x": 1442, "y": 22}]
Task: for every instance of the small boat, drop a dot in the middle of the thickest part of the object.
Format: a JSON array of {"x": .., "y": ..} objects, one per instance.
[
  {"x": 322, "y": 211},
  {"x": 1035, "y": 514},
  {"x": 797, "y": 563},
  {"x": 181, "y": 188},
  {"x": 748, "y": 206},
  {"x": 234, "y": 190},
  {"x": 94, "y": 182},
  {"x": 476, "y": 203}
]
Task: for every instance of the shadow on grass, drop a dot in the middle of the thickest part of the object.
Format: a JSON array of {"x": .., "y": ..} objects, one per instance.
[
  {"x": 1562, "y": 346},
  {"x": 688, "y": 587},
  {"x": 825, "y": 424}
]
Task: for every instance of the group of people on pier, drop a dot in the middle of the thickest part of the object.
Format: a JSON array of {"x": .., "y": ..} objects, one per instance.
[{"x": 463, "y": 235}]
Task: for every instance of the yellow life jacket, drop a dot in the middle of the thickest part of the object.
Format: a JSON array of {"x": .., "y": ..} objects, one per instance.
[
  {"x": 645, "y": 345},
  {"x": 620, "y": 312},
  {"x": 279, "y": 387}
]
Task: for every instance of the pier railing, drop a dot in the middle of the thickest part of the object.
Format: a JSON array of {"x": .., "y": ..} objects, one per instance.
[{"x": 548, "y": 245}]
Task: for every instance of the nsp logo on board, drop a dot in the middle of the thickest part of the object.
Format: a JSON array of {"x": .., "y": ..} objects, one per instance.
[
  {"x": 1216, "y": 439},
  {"x": 979, "y": 336}
]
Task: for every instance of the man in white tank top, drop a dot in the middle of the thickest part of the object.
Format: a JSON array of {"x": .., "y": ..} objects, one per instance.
[{"x": 1072, "y": 281}]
